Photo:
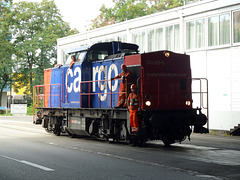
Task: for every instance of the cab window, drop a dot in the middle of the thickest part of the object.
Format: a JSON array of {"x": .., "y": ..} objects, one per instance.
[
  {"x": 79, "y": 56},
  {"x": 97, "y": 55}
]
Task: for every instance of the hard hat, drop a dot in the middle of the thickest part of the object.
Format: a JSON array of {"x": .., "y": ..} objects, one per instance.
[
  {"x": 133, "y": 86},
  {"x": 123, "y": 66}
]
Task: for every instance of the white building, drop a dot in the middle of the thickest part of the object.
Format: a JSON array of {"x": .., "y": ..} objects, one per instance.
[{"x": 209, "y": 31}]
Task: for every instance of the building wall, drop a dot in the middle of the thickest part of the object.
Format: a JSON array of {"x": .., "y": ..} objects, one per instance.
[{"x": 209, "y": 31}]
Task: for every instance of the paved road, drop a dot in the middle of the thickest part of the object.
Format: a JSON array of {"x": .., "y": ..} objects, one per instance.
[{"x": 28, "y": 152}]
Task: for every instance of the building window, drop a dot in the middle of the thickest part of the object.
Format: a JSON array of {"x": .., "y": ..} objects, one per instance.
[
  {"x": 200, "y": 32},
  {"x": 195, "y": 34},
  {"x": 135, "y": 38},
  {"x": 169, "y": 38},
  {"x": 213, "y": 31},
  {"x": 122, "y": 38},
  {"x": 108, "y": 40},
  {"x": 236, "y": 27},
  {"x": 150, "y": 40},
  {"x": 176, "y": 37},
  {"x": 219, "y": 30},
  {"x": 224, "y": 29},
  {"x": 159, "y": 39},
  {"x": 139, "y": 39},
  {"x": 190, "y": 35},
  {"x": 172, "y": 37}
]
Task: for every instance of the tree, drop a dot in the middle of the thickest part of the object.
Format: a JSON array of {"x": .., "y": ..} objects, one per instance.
[
  {"x": 6, "y": 48},
  {"x": 129, "y": 9},
  {"x": 35, "y": 28}
]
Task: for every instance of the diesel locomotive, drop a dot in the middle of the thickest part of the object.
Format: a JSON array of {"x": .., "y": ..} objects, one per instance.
[{"x": 82, "y": 100}]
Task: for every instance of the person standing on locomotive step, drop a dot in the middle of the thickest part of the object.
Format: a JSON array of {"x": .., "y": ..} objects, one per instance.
[
  {"x": 134, "y": 104},
  {"x": 124, "y": 89},
  {"x": 73, "y": 61}
]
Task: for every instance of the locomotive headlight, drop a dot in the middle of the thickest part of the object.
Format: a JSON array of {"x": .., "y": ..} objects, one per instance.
[
  {"x": 188, "y": 103},
  {"x": 148, "y": 103},
  {"x": 167, "y": 54}
]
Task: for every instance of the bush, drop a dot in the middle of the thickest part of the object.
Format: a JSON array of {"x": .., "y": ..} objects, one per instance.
[{"x": 30, "y": 110}]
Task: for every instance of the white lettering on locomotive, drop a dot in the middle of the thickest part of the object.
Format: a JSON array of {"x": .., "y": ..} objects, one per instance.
[
  {"x": 113, "y": 67},
  {"x": 107, "y": 74},
  {"x": 77, "y": 79},
  {"x": 102, "y": 87},
  {"x": 102, "y": 74},
  {"x": 69, "y": 88}
]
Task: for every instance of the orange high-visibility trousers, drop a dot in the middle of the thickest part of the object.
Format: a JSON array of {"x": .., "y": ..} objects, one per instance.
[
  {"x": 134, "y": 120},
  {"x": 124, "y": 88},
  {"x": 122, "y": 95}
]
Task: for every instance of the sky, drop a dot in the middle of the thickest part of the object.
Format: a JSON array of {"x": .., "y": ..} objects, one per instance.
[{"x": 79, "y": 13}]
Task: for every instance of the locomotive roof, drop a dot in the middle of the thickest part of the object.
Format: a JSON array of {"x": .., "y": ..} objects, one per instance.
[
  {"x": 119, "y": 44},
  {"x": 77, "y": 49}
]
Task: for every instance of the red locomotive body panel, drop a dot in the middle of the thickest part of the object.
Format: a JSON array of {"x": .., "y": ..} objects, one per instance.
[
  {"x": 47, "y": 80},
  {"x": 165, "y": 79}
]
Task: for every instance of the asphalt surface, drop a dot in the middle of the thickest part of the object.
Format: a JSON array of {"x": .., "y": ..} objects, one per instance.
[{"x": 28, "y": 152}]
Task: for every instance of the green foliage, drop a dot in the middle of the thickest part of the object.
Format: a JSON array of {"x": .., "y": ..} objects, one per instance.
[
  {"x": 129, "y": 9},
  {"x": 6, "y": 48},
  {"x": 35, "y": 28},
  {"x": 3, "y": 113},
  {"x": 30, "y": 110}
]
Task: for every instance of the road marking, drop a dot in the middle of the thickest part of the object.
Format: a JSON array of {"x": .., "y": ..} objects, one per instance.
[{"x": 29, "y": 163}]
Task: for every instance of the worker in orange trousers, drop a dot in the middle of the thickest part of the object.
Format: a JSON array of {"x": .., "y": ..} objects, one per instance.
[{"x": 134, "y": 103}]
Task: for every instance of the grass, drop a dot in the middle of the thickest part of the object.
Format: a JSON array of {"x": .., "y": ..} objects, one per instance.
[
  {"x": 219, "y": 133},
  {"x": 4, "y": 114}
]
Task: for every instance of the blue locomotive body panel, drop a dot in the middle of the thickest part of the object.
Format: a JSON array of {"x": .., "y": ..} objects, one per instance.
[
  {"x": 93, "y": 94},
  {"x": 105, "y": 91},
  {"x": 88, "y": 84}
]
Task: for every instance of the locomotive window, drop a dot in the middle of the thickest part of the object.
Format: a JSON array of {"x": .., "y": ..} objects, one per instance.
[
  {"x": 97, "y": 55},
  {"x": 129, "y": 51},
  {"x": 183, "y": 84},
  {"x": 79, "y": 56}
]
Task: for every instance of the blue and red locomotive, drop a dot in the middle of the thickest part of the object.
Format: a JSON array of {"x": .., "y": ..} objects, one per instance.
[{"x": 82, "y": 100}]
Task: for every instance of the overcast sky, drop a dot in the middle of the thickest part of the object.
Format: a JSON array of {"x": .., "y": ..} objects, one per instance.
[{"x": 78, "y": 13}]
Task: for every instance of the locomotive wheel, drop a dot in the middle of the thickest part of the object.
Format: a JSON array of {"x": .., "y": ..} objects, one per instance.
[
  {"x": 47, "y": 130},
  {"x": 167, "y": 142},
  {"x": 57, "y": 132}
]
